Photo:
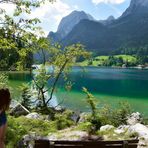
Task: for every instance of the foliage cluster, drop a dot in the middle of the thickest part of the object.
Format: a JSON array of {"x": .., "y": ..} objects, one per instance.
[
  {"x": 19, "y": 35},
  {"x": 18, "y": 127},
  {"x": 141, "y": 53},
  {"x": 63, "y": 120},
  {"x": 60, "y": 61},
  {"x": 118, "y": 60},
  {"x": 26, "y": 95},
  {"x": 117, "y": 116},
  {"x": 3, "y": 80},
  {"x": 105, "y": 115}
]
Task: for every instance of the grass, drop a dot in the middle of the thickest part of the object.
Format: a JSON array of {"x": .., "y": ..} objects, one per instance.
[
  {"x": 18, "y": 127},
  {"x": 98, "y": 61},
  {"x": 128, "y": 58}
]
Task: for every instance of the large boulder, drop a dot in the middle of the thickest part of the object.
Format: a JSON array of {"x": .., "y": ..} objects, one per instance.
[
  {"x": 140, "y": 129},
  {"x": 121, "y": 129},
  {"x": 33, "y": 116},
  {"x": 142, "y": 132},
  {"x": 134, "y": 118},
  {"x": 106, "y": 128},
  {"x": 75, "y": 117},
  {"x": 18, "y": 110}
]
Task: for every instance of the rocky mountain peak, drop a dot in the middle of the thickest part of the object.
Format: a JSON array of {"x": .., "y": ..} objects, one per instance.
[
  {"x": 68, "y": 22},
  {"x": 136, "y": 6},
  {"x": 111, "y": 18},
  {"x": 139, "y": 3}
]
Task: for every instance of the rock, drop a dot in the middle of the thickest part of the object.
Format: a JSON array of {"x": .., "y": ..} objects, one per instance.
[
  {"x": 106, "y": 128},
  {"x": 18, "y": 110},
  {"x": 28, "y": 140},
  {"x": 121, "y": 129},
  {"x": 142, "y": 132},
  {"x": 49, "y": 117},
  {"x": 83, "y": 117},
  {"x": 70, "y": 135},
  {"x": 134, "y": 118},
  {"x": 92, "y": 138},
  {"x": 140, "y": 129},
  {"x": 75, "y": 117},
  {"x": 33, "y": 116},
  {"x": 59, "y": 109}
]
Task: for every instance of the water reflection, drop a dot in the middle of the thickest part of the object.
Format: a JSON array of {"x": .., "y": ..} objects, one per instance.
[{"x": 108, "y": 84}]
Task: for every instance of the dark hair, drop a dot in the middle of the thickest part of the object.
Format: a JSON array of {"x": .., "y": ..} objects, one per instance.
[{"x": 5, "y": 99}]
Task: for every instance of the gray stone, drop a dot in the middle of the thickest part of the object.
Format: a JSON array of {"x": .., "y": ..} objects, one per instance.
[
  {"x": 33, "y": 116},
  {"x": 18, "y": 110},
  {"x": 134, "y": 118},
  {"x": 28, "y": 140},
  {"x": 75, "y": 117},
  {"x": 142, "y": 132},
  {"x": 107, "y": 128},
  {"x": 83, "y": 117},
  {"x": 67, "y": 134}
]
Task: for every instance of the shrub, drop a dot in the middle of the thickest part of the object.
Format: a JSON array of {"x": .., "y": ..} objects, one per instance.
[
  {"x": 116, "y": 116},
  {"x": 3, "y": 80},
  {"x": 26, "y": 96},
  {"x": 94, "y": 118},
  {"x": 63, "y": 120},
  {"x": 18, "y": 127}
]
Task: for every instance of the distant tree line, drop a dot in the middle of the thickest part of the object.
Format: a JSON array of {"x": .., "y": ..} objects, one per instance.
[{"x": 141, "y": 53}]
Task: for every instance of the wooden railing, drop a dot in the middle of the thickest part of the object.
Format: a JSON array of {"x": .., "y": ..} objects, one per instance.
[{"x": 86, "y": 144}]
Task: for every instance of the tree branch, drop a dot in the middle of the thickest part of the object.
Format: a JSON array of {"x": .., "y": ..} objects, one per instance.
[{"x": 56, "y": 80}]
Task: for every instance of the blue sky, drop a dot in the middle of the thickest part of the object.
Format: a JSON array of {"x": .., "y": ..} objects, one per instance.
[
  {"x": 99, "y": 9},
  {"x": 51, "y": 14}
]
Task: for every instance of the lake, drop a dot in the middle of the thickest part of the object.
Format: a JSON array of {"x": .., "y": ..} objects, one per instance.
[{"x": 108, "y": 85}]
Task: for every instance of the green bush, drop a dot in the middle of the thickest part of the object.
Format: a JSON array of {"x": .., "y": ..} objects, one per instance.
[
  {"x": 117, "y": 116},
  {"x": 15, "y": 132},
  {"x": 63, "y": 120},
  {"x": 106, "y": 115},
  {"x": 18, "y": 127},
  {"x": 26, "y": 95},
  {"x": 94, "y": 118}
]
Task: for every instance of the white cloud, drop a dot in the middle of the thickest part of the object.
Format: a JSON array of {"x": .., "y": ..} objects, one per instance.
[
  {"x": 117, "y": 11},
  {"x": 51, "y": 14},
  {"x": 9, "y": 8},
  {"x": 108, "y": 1}
]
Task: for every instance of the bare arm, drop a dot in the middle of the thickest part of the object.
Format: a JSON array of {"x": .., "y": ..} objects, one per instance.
[{"x": 2, "y": 135}]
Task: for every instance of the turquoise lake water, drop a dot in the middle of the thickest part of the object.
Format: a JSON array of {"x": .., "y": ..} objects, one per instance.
[{"x": 108, "y": 85}]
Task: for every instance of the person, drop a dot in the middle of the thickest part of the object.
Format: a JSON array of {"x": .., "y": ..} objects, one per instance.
[{"x": 5, "y": 100}]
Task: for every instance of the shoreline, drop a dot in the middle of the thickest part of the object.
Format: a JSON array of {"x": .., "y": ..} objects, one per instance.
[{"x": 114, "y": 67}]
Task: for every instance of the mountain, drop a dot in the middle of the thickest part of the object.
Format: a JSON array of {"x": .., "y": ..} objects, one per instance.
[
  {"x": 136, "y": 6},
  {"x": 108, "y": 21},
  {"x": 104, "y": 37},
  {"x": 67, "y": 24}
]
